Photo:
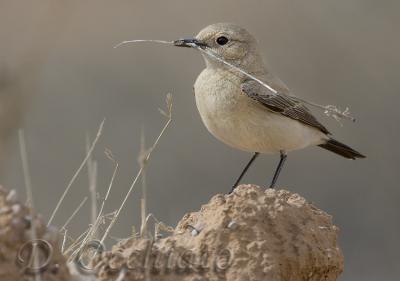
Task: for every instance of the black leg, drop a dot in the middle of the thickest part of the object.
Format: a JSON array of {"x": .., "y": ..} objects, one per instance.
[
  {"x": 278, "y": 169},
  {"x": 244, "y": 171}
]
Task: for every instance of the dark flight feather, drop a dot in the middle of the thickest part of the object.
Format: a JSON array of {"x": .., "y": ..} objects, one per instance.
[{"x": 341, "y": 149}]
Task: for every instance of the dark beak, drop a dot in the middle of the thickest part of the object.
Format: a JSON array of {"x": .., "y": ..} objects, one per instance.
[{"x": 189, "y": 43}]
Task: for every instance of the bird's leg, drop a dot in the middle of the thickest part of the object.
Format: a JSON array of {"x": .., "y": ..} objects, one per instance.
[
  {"x": 278, "y": 169},
  {"x": 244, "y": 171}
]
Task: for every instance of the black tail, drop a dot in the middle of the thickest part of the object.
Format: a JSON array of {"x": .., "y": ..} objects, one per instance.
[{"x": 341, "y": 149}]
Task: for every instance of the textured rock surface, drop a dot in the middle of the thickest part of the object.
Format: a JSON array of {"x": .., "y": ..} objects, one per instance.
[
  {"x": 247, "y": 235},
  {"x": 15, "y": 239}
]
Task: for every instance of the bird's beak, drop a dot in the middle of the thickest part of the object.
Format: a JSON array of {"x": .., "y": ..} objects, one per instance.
[{"x": 189, "y": 43}]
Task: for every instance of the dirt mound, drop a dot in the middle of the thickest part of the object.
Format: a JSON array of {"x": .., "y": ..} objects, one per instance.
[
  {"x": 16, "y": 244},
  {"x": 247, "y": 235}
]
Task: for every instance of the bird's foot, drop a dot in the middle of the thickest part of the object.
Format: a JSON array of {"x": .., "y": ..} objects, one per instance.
[{"x": 232, "y": 189}]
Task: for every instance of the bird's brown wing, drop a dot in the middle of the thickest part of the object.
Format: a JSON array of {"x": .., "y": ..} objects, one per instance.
[{"x": 281, "y": 103}]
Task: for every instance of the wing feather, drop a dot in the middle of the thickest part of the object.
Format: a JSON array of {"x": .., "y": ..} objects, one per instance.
[{"x": 281, "y": 103}]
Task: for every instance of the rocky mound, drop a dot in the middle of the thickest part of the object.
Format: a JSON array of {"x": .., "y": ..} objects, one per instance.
[
  {"x": 251, "y": 234},
  {"x": 16, "y": 243}
]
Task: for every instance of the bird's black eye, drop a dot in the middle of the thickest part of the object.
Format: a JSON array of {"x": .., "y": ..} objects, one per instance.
[{"x": 222, "y": 40}]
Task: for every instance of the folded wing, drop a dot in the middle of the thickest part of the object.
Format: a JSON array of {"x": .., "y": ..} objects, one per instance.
[{"x": 281, "y": 103}]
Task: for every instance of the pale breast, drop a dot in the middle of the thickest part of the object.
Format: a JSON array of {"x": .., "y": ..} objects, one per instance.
[{"x": 238, "y": 121}]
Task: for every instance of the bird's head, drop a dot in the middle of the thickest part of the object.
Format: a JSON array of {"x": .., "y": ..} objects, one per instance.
[{"x": 228, "y": 41}]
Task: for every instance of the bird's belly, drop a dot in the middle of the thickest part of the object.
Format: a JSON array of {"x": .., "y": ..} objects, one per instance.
[{"x": 246, "y": 125}]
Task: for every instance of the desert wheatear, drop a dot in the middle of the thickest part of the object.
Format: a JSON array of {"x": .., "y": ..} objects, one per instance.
[{"x": 244, "y": 114}]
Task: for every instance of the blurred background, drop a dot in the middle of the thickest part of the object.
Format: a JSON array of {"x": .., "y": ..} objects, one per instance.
[{"x": 60, "y": 76}]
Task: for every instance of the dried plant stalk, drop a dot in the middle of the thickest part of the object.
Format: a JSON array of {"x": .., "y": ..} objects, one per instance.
[
  {"x": 168, "y": 114},
  {"x": 99, "y": 132}
]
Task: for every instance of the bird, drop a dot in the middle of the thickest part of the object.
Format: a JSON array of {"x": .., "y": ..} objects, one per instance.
[{"x": 241, "y": 112}]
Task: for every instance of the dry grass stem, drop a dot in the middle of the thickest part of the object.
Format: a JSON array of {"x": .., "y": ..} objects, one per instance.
[
  {"x": 143, "y": 200},
  {"x": 92, "y": 179},
  {"x": 64, "y": 241},
  {"x": 64, "y": 227},
  {"x": 140, "y": 41},
  {"x": 79, "y": 244},
  {"x": 100, "y": 218},
  {"x": 75, "y": 243},
  {"x": 110, "y": 156},
  {"x": 169, "y": 116},
  {"x": 90, "y": 234},
  {"x": 329, "y": 110},
  {"x": 99, "y": 132},
  {"x": 34, "y": 258}
]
